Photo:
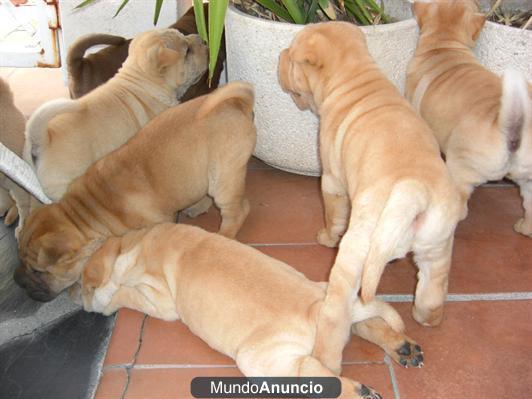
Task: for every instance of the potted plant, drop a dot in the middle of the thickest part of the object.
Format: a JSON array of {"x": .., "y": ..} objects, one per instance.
[{"x": 257, "y": 30}]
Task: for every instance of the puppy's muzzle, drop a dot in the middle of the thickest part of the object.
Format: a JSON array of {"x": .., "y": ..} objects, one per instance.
[{"x": 33, "y": 284}]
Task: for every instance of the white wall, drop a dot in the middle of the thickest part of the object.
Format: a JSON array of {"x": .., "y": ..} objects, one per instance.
[{"x": 135, "y": 17}]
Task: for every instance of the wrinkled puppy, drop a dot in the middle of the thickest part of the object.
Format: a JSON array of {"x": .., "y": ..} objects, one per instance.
[
  {"x": 384, "y": 185},
  {"x": 86, "y": 72},
  {"x": 187, "y": 155},
  {"x": 64, "y": 137},
  {"x": 259, "y": 311},
  {"x": 12, "y": 125},
  {"x": 483, "y": 123}
]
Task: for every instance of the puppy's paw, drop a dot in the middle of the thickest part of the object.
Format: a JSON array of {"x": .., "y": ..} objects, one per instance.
[
  {"x": 524, "y": 228},
  {"x": 366, "y": 392},
  {"x": 428, "y": 317},
  {"x": 325, "y": 239},
  {"x": 11, "y": 216},
  {"x": 409, "y": 354}
]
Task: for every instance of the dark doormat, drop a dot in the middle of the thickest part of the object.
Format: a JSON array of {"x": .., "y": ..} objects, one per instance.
[
  {"x": 47, "y": 350},
  {"x": 61, "y": 361}
]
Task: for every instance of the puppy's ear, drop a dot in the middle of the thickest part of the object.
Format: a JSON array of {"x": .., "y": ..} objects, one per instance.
[
  {"x": 54, "y": 246},
  {"x": 476, "y": 23},
  {"x": 99, "y": 267},
  {"x": 166, "y": 57},
  {"x": 307, "y": 53},
  {"x": 420, "y": 11}
]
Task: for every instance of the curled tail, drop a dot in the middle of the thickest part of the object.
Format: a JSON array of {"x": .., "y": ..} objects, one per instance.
[
  {"x": 37, "y": 126},
  {"x": 241, "y": 93},
  {"x": 407, "y": 200},
  {"x": 82, "y": 44},
  {"x": 516, "y": 108}
]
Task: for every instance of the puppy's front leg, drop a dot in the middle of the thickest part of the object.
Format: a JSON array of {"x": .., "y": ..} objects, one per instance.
[
  {"x": 202, "y": 206},
  {"x": 337, "y": 209},
  {"x": 524, "y": 225},
  {"x": 434, "y": 263},
  {"x": 282, "y": 360}
]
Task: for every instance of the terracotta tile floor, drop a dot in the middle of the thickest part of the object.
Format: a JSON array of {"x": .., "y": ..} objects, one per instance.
[{"x": 482, "y": 350}]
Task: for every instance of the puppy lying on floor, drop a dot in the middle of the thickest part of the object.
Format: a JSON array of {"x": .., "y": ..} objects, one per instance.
[
  {"x": 12, "y": 125},
  {"x": 255, "y": 309},
  {"x": 483, "y": 123},
  {"x": 187, "y": 155},
  {"x": 384, "y": 183},
  {"x": 64, "y": 137},
  {"x": 86, "y": 72}
]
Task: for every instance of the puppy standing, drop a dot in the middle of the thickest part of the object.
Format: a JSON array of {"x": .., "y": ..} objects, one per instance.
[
  {"x": 12, "y": 125},
  {"x": 483, "y": 123},
  {"x": 384, "y": 183},
  {"x": 64, "y": 137},
  {"x": 189, "y": 154},
  {"x": 86, "y": 72},
  {"x": 253, "y": 308}
]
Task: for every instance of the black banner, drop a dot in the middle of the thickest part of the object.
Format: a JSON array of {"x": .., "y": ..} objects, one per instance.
[{"x": 265, "y": 387}]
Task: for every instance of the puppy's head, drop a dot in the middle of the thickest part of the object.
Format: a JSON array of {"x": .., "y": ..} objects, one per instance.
[
  {"x": 450, "y": 19},
  {"x": 51, "y": 249},
  {"x": 309, "y": 66},
  {"x": 169, "y": 56}
]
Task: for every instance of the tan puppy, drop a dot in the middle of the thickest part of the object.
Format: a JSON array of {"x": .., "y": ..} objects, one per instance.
[
  {"x": 66, "y": 136},
  {"x": 253, "y": 308},
  {"x": 12, "y": 125},
  {"x": 483, "y": 123},
  {"x": 86, "y": 72},
  {"x": 189, "y": 154},
  {"x": 384, "y": 183}
]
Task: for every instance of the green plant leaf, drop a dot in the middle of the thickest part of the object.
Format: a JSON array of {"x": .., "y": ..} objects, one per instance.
[
  {"x": 120, "y": 8},
  {"x": 158, "y": 5},
  {"x": 311, "y": 14},
  {"x": 296, "y": 12},
  {"x": 199, "y": 15},
  {"x": 354, "y": 11},
  {"x": 323, "y": 3},
  {"x": 362, "y": 7},
  {"x": 84, "y": 3},
  {"x": 217, "y": 9},
  {"x": 276, "y": 9}
]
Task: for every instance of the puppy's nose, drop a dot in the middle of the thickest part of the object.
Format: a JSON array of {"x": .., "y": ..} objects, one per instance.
[{"x": 33, "y": 284}]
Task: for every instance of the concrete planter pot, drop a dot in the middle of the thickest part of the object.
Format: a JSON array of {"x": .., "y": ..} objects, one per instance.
[
  {"x": 500, "y": 47},
  {"x": 288, "y": 138}
]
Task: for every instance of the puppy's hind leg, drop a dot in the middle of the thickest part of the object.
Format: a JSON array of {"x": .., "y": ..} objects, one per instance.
[
  {"x": 337, "y": 209},
  {"x": 228, "y": 193},
  {"x": 434, "y": 263},
  {"x": 379, "y": 323},
  {"x": 524, "y": 225},
  {"x": 397, "y": 345}
]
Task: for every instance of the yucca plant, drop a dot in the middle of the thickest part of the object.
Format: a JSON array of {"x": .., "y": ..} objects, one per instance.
[{"x": 361, "y": 12}]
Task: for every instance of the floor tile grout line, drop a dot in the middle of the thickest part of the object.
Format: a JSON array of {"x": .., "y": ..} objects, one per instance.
[
  {"x": 132, "y": 364},
  {"x": 495, "y": 296},
  {"x": 283, "y": 244},
  {"x": 393, "y": 378},
  {"x": 203, "y": 366}
]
